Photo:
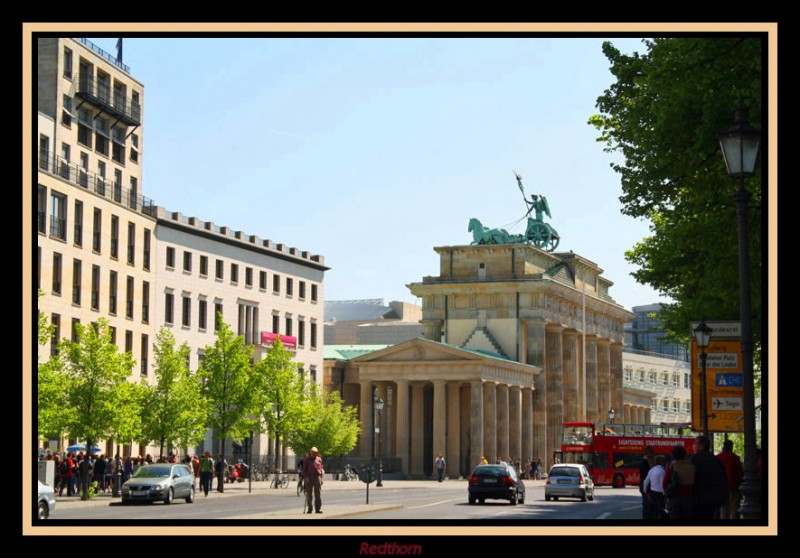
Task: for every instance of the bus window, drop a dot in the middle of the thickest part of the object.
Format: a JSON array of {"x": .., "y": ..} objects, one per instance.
[
  {"x": 579, "y": 458},
  {"x": 627, "y": 460},
  {"x": 577, "y": 435},
  {"x": 600, "y": 461}
]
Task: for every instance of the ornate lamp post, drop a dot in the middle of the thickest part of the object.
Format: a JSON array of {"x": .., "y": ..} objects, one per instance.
[
  {"x": 611, "y": 414},
  {"x": 702, "y": 334},
  {"x": 740, "y": 143},
  {"x": 379, "y": 408}
]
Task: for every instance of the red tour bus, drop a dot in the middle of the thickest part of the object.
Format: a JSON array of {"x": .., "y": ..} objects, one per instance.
[{"x": 612, "y": 452}]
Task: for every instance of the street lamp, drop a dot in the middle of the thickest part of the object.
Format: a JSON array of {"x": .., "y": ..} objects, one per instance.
[
  {"x": 740, "y": 143},
  {"x": 379, "y": 408},
  {"x": 702, "y": 334},
  {"x": 611, "y": 414}
]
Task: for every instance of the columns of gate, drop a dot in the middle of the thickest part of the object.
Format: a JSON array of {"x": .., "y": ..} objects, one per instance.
[
  {"x": 536, "y": 357},
  {"x": 527, "y": 423},
  {"x": 440, "y": 426},
  {"x": 417, "y": 430},
  {"x": 571, "y": 376},
  {"x": 401, "y": 425},
  {"x": 617, "y": 397},
  {"x": 475, "y": 423},
  {"x": 603, "y": 378},
  {"x": 515, "y": 423},
  {"x": 502, "y": 420},
  {"x": 453, "y": 429},
  {"x": 365, "y": 415},
  {"x": 626, "y": 415},
  {"x": 592, "y": 409},
  {"x": 555, "y": 382},
  {"x": 490, "y": 421}
]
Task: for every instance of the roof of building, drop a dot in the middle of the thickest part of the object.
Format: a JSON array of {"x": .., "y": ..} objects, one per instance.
[
  {"x": 357, "y": 310},
  {"x": 349, "y": 352}
]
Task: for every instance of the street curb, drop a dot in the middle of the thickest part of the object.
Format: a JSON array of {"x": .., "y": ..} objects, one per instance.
[{"x": 281, "y": 514}]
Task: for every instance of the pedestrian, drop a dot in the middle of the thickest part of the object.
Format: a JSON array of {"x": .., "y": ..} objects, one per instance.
[
  {"x": 111, "y": 467},
  {"x": 206, "y": 472},
  {"x": 735, "y": 473},
  {"x": 127, "y": 468},
  {"x": 439, "y": 465},
  {"x": 539, "y": 468},
  {"x": 313, "y": 473},
  {"x": 219, "y": 468},
  {"x": 100, "y": 473},
  {"x": 66, "y": 470},
  {"x": 654, "y": 489},
  {"x": 679, "y": 485},
  {"x": 195, "y": 464},
  {"x": 85, "y": 473},
  {"x": 644, "y": 468},
  {"x": 710, "y": 481}
]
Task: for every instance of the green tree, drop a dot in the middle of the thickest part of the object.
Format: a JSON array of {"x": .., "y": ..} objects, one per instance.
[
  {"x": 51, "y": 388},
  {"x": 333, "y": 426},
  {"x": 281, "y": 397},
  {"x": 662, "y": 115},
  {"x": 173, "y": 408},
  {"x": 96, "y": 370},
  {"x": 227, "y": 386},
  {"x": 127, "y": 426}
]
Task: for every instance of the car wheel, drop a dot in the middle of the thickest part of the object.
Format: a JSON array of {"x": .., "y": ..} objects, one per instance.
[
  {"x": 471, "y": 500},
  {"x": 44, "y": 511},
  {"x": 522, "y": 499},
  {"x": 170, "y": 497},
  {"x": 555, "y": 498},
  {"x": 480, "y": 501},
  {"x": 547, "y": 498},
  {"x": 583, "y": 497},
  {"x": 514, "y": 499},
  {"x": 190, "y": 497},
  {"x": 591, "y": 496}
]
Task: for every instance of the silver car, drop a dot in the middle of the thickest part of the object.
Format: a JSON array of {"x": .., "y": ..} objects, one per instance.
[
  {"x": 47, "y": 500},
  {"x": 160, "y": 482},
  {"x": 569, "y": 480}
]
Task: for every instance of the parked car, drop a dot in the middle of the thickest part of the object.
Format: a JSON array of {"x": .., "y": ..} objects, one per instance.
[
  {"x": 495, "y": 482},
  {"x": 47, "y": 500},
  {"x": 569, "y": 480},
  {"x": 160, "y": 482}
]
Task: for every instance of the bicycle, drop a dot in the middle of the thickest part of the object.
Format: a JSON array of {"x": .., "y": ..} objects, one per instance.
[
  {"x": 350, "y": 473},
  {"x": 301, "y": 486},
  {"x": 279, "y": 480}
]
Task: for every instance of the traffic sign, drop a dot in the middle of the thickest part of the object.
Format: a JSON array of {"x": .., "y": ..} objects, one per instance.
[{"x": 724, "y": 391}]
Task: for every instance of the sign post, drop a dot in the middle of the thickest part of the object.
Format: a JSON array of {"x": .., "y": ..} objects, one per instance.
[{"x": 724, "y": 381}]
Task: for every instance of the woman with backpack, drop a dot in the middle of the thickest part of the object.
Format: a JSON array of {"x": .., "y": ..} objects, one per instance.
[{"x": 679, "y": 485}]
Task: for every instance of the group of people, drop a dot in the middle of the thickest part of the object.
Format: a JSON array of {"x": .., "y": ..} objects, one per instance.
[
  {"x": 75, "y": 472},
  {"x": 533, "y": 468},
  {"x": 700, "y": 486}
]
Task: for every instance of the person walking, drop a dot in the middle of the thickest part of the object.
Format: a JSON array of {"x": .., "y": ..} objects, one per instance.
[
  {"x": 644, "y": 468},
  {"x": 195, "y": 464},
  {"x": 66, "y": 469},
  {"x": 678, "y": 485},
  {"x": 439, "y": 465},
  {"x": 654, "y": 489},
  {"x": 206, "y": 472},
  {"x": 710, "y": 481},
  {"x": 219, "y": 468},
  {"x": 735, "y": 473},
  {"x": 312, "y": 473},
  {"x": 100, "y": 473}
]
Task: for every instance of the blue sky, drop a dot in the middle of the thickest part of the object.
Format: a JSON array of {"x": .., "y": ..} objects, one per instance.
[{"x": 371, "y": 151}]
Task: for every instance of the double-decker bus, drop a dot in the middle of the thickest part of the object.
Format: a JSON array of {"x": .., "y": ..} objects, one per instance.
[{"x": 612, "y": 452}]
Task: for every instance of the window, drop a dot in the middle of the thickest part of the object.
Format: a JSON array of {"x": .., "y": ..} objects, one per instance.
[
  {"x": 146, "y": 254},
  {"x": 97, "y": 231},
  {"x": 289, "y": 286},
  {"x": 289, "y": 325},
  {"x": 100, "y": 180},
  {"x": 131, "y": 243},
  {"x": 665, "y": 379},
  {"x": 39, "y": 267},
  {"x": 67, "y": 63},
  {"x": 145, "y": 301},
  {"x": 187, "y": 311},
  {"x": 44, "y": 152},
  {"x": 118, "y": 145},
  {"x": 42, "y": 204},
  {"x": 627, "y": 374},
  {"x": 203, "y": 266},
  {"x": 145, "y": 353},
  {"x": 112, "y": 293},
  {"x": 687, "y": 379},
  {"x": 187, "y": 261},
  {"x": 640, "y": 375},
  {"x": 276, "y": 320},
  {"x": 55, "y": 322},
  {"x": 117, "y": 185},
  {"x": 77, "y": 233},
  {"x": 262, "y": 280},
  {"x": 129, "y": 298},
  {"x": 675, "y": 380},
  {"x": 84, "y": 131},
  {"x": 168, "y": 302},
  {"x": 217, "y": 315},
  {"x": 248, "y": 276},
  {"x": 56, "y": 273},
  {"x": 202, "y": 312},
  {"x": 301, "y": 332},
  {"x": 83, "y": 174},
  {"x": 652, "y": 378},
  {"x": 128, "y": 341},
  {"x": 313, "y": 335},
  {"x": 113, "y": 331},
  {"x": 133, "y": 196},
  {"x": 676, "y": 406},
  {"x": 170, "y": 257},
  {"x": 234, "y": 273},
  {"x": 134, "y": 154},
  {"x": 687, "y": 407},
  {"x": 63, "y": 169},
  {"x": 220, "y": 270},
  {"x": 313, "y": 293},
  {"x": 103, "y": 86},
  {"x": 66, "y": 111},
  {"x": 276, "y": 284},
  {"x": 95, "y": 302},
  {"x": 58, "y": 215},
  {"x": 101, "y": 136},
  {"x": 665, "y": 405},
  {"x": 302, "y": 292},
  {"x": 75, "y": 326},
  {"x": 114, "y": 237},
  {"x": 76, "y": 281}
]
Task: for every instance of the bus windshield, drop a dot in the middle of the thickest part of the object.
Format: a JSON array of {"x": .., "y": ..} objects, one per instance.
[{"x": 577, "y": 435}]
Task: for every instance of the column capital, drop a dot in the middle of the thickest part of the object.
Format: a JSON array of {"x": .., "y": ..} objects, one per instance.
[
  {"x": 554, "y": 327},
  {"x": 603, "y": 341}
]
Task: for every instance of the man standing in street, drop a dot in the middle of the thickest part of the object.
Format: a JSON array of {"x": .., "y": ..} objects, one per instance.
[
  {"x": 710, "y": 481},
  {"x": 439, "y": 465},
  {"x": 644, "y": 469},
  {"x": 733, "y": 468},
  {"x": 206, "y": 472},
  {"x": 312, "y": 473},
  {"x": 219, "y": 468}
]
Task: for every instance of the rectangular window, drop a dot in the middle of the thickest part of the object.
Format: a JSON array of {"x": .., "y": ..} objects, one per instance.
[
  {"x": 95, "y": 287},
  {"x": 113, "y": 331},
  {"x": 288, "y": 326},
  {"x": 289, "y": 286},
  {"x": 187, "y": 311},
  {"x": 313, "y": 293},
  {"x": 58, "y": 215},
  {"x": 675, "y": 380},
  {"x": 56, "y": 273},
  {"x": 276, "y": 283},
  {"x": 168, "y": 302},
  {"x": 262, "y": 280},
  {"x": 117, "y": 185},
  {"x": 114, "y": 237},
  {"x": 133, "y": 195},
  {"x": 97, "y": 231},
  {"x": 170, "y": 257},
  {"x": 84, "y": 132},
  {"x": 77, "y": 233},
  {"x": 248, "y": 276},
  {"x": 234, "y": 273},
  {"x": 76, "y": 281},
  {"x": 134, "y": 154},
  {"x": 83, "y": 174},
  {"x": 665, "y": 379},
  {"x": 187, "y": 261},
  {"x": 145, "y": 353},
  {"x": 44, "y": 152},
  {"x": 42, "y": 204},
  {"x": 203, "y": 266},
  {"x": 313, "y": 335},
  {"x": 112, "y": 293},
  {"x": 202, "y": 312},
  {"x": 75, "y": 323},
  {"x": 55, "y": 322},
  {"x": 220, "y": 269},
  {"x": 63, "y": 169},
  {"x": 665, "y": 405},
  {"x": 145, "y": 302},
  {"x": 687, "y": 381},
  {"x": 66, "y": 111},
  {"x": 302, "y": 293},
  {"x": 39, "y": 267},
  {"x": 217, "y": 315},
  {"x": 131, "y": 243},
  {"x": 652, "y": 378},
  {"x": 118, "y": 145},
  {"x": 129, "y": 298},
  {"x": 276, "y": 320},
  {"x": 301, "y": 333},
  {"x": 146, "y": 254},
  {"x": 101, "y": 136},
  {"x": 67, "y": 63},
  {"x": 128, "y": 341}
]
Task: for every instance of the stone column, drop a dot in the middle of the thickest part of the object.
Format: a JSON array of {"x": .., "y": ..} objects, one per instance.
[
  {"x": 490, "y": 421},
  {"x": 502, "y": 420},
  {"x": 603, "y": 378},
  {"x": 592, "y": 412},
  {"x": 640, "y": 415},
  {"x": 617, "y": 397},
  {"x": 527, "y": 423},
  {"x": 365, "y": 416},
  {"x": 417, "y": 429},
  {"x": 536, "y": 357},
  {"x": 432, "y": 329},
  {"x": 648, "y": 415},
  {"x": 476, "y": 423},
  {"x": 401, "y": 423},
  {"x": 555, "y": 383},
  {"x": 515, "y": 422},
  {"x": 453, "y": 429},
  {"x": 626, "y": 415},
  {"x": 571, "y": 376},
  {"x": 439, "y": 419}
]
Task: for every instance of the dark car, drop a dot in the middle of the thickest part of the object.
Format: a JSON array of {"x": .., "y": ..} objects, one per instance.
[
  {"x": 159, "y": 482},
  {"x": 496, "y": 482}
]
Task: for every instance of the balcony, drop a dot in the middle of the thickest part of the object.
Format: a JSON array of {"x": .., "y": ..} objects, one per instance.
[{"x": 90, "y": 90}]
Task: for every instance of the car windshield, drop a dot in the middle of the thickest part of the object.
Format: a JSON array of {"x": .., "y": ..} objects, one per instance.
[
  {"x": 491, "y": 470},
  {"x": 152, "y": 472},
  {"x": 564, "y": 472}
]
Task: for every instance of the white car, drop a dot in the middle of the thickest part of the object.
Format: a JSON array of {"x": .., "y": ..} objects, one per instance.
[
  {"x": 569, "y": 480},
  {"x": 47, "y": 500}
]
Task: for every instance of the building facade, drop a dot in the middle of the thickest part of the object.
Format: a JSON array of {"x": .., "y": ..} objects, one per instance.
[
  {"x": 645, "y": 333},
  {"x": 668, "y": 379}
]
